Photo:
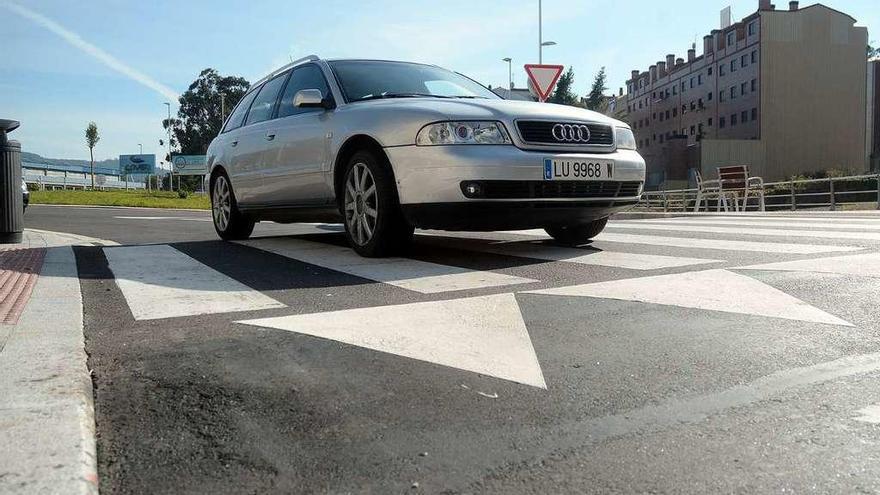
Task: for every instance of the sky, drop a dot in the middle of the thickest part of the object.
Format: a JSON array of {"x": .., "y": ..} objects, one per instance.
[{"x": 115, "y": 62}]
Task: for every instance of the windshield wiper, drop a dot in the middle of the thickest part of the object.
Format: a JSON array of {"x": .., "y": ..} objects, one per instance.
[{"x": 399, "y": 95}]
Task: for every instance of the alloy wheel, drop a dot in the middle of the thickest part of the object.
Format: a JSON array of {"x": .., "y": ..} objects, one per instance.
[
  {"x": 361, "y": 204},
  {"x": 221, "y": 204}
]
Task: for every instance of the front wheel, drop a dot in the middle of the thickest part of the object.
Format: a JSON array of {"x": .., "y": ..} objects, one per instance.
[
  {"x": 577, "y": 234},
  {"x": 374, "y": 224},
  {"x": 229, "y": 222}
]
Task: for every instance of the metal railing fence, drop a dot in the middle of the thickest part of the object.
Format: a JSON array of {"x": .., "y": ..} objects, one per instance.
[{"x": 831, "y": 193}]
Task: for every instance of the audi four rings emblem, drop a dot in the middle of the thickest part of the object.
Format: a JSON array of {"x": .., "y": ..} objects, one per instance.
[{"x": 571, "y": 133}]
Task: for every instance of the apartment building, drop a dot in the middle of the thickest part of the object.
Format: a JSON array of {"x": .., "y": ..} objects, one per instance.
[{"x": 780, "y": 91}]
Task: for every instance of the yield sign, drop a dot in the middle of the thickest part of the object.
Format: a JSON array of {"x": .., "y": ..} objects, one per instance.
[{"x": 543, "y": 78}]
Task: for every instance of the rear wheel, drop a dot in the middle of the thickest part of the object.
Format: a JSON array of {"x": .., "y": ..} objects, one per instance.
[
  {"x": 374, "y": 223},
  {"x": 229, "y": 222},
  {"x": 577, "y": 234}
]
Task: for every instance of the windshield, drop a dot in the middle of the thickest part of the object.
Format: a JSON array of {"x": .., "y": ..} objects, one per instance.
[{"x": 369, "y": 79}]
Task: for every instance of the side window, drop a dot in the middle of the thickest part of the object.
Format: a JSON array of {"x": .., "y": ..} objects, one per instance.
[
  {"x": 264, "y": 103},
  {"x": 237, "y": 118},
  {"x": 305, "y": 77}
]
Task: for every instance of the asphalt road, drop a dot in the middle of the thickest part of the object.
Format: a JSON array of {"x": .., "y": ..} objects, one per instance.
[{"x": 685, "y": 355}]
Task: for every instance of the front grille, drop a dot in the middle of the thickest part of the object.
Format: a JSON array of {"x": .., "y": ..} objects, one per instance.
[
  {"x": 536, "y": 189},
  {"x": 536, "y": 131}
]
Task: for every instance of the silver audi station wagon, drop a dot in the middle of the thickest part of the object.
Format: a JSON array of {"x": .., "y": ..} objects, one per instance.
[{"x": 385, "y": 147}]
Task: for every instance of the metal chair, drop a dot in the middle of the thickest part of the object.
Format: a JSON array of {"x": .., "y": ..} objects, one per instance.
[
  {"x": 735, "y": 180},
  {"x": 709, "y": 189}
]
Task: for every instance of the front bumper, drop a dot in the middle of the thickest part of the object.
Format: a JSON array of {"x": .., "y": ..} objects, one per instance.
[
  {"x": 433, "y": 174},
  {"x": 429, "y": 184}
]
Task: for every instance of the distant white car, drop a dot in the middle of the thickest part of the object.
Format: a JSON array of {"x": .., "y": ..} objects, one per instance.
[
  {"x": 25, "y": 194},
  {"x": 386, "y": 147}
]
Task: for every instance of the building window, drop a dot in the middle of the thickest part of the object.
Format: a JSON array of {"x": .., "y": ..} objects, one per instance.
[
  {"x": 667, "y": 115},
  {"x": 683, "y": 87},
  {"x": 640, "y": 104},
  {"x": 693, "y": 106},
  {"x": 675, "y": 90},
  {"x": 754, "y": 114},
  {"x": 709, "y": 96},
  {"x": 709, "y": 72},
  {"x": 744, "y": 61},
  {"x": 731, "y": 39},
  {"x": 675, "y": 112},
  {"x": 710, "y": 122},
  {"x": 744, "y": 88},
  {"x": 754, "y": 85},
  {"x": 732, "y": 120},
  {"x": 692, "y": 83},
  {"x": 654, "y": 95},
  {"x": 733, "y": 65},
  {"x": 753, "y": 28},
  {"x": 744, "y": 116},
  {"x": 733, "y": 92},
  {"x": 654, "y": 117},
  {"x": 754, "y": 56},
  {"x": 722, "y": 96},
  {"x": 700, "y": 103},
  {"x": 721, "y": 123},
  {"x": 661, "y": 116},
  {"x": 683, "y": 109},
  {"x": 693, "y": 130},
  {"x": 699, "y": 80},
  {"x": 721, "y": 70}
]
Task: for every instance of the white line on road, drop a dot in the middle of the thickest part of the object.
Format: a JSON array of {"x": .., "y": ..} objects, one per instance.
[
  {"x": 484, "y": 335},
  {"x": 161, "y": 282},
  {"x": 419, "y": 276},
  {"x": 587, "y": 256},
  {"x": 867, "y": 265},
  {"x": 823, "y": 234},
  {"x": 722, "y": 244},
  {"x": 714, "y": 290},
  {"x": 760, "y": 223},
  {"x": 870, "y": 414}
]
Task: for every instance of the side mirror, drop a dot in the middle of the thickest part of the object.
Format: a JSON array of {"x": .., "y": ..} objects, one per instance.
[{"x": 309, "y": 98}]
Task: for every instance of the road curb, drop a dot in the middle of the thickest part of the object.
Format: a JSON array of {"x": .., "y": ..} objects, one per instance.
[
  {"x": 148, "y": 208},
  {"x": 47, "y": 422}
]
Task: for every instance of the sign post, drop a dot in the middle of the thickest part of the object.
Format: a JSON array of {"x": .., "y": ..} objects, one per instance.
[
  {"x": 543, "y": 78},
  {"x": 137, "y": 164}
]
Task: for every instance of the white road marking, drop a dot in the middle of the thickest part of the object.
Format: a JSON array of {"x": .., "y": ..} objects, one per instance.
[
  {"x": 186, "y": 219},
  {"x": 632, "y": 261},
  {"x": 867, "y": 265},
  {"x": 715, "y": 290},
  {"x": 161, "y": 282},
  {"x": 722, "y": 244},
  {"x": 778, "y": 222},
  {"x": 823, "y": 234},
  {"x": 484, "y": 335},
  {"x": 419, "y": 276},
  {"x": 870, "y": 414}
]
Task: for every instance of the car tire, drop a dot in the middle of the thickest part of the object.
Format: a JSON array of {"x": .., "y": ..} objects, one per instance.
[
  {"x": 229, "y": 222},
  {"x": 374, "y": 223},
  {"x": 577, "y": 234}
]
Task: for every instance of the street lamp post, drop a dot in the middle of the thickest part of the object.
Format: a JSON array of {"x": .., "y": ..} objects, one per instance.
[
  {"x": 541, "y": 42},
  {"x": 509, "y": 72},
  {"x": 170, "y": 167},
  {"x": 141, "y": 147}
]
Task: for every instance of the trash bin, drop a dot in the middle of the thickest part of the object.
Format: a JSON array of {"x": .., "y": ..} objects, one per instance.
[{"x": 11, "y": 205}]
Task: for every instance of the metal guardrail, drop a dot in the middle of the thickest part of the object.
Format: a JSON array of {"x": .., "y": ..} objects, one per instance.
[
  {"x": 50, "y": 182},
  {"x": 831, "y": 193}
]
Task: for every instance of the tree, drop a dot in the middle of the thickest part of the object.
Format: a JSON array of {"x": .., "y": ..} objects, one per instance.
[
  {"x": 563, "y": 94},
  {"x": 199, "y": 117},
  {"x": 873, "y": 52},
  {"x": 92, "y": 139},
  {"x": 597, "y": 92}
]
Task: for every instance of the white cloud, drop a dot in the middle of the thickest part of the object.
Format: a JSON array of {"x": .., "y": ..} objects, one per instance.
[{"x": 78, "y": 42}]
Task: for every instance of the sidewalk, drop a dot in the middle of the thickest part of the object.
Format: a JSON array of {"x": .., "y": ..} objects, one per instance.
[{"x": 47, "y": 426}]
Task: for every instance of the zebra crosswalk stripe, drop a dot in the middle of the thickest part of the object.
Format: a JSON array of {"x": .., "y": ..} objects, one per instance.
[
  {"x": 415, "y": 275},
  {"x": 819, "y": 234}
]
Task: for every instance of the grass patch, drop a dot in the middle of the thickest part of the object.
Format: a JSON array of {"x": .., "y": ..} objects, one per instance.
[{"x": 144, "y": 199}]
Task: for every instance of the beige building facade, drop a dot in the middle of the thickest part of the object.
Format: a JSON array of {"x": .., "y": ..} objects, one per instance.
[{"x": 783, "y": 91}]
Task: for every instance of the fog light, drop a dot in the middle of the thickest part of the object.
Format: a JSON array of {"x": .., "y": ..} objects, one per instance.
[{"x": 472, "y": 189}]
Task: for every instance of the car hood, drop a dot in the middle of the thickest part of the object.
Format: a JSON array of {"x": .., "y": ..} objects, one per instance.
[{"x": 485, "y": 109}]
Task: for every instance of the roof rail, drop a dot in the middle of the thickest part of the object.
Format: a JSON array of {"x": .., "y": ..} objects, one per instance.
[{"x": 310, "y": 58}]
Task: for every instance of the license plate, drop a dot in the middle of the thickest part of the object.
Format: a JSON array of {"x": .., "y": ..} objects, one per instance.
[{"x": 556, "y": 169}]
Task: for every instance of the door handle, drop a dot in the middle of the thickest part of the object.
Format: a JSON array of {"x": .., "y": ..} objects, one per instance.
[
  {"x": 234, "y": 144},
  {"x": 270, "y": 137}
]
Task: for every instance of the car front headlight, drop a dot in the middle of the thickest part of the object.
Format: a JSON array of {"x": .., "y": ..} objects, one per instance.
[
  {"x": 441, "y": 133},
  {"x": 624, "y": 138}
]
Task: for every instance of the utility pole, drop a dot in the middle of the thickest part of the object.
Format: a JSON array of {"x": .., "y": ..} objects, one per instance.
[
  {"x": 509, "y": 72},
  {"x": 170, "y": 166},
  {"x": 540, "y": 37}
]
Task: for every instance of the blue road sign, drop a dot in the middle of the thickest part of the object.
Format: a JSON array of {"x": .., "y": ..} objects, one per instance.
[{"x": 137, "y": 164}]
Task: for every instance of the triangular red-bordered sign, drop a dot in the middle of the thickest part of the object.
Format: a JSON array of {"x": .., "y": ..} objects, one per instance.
[{"x": 543, "y": 78}]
